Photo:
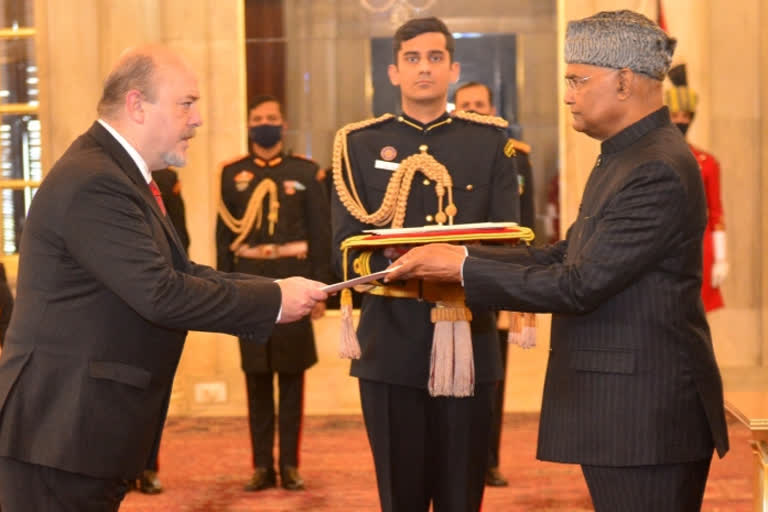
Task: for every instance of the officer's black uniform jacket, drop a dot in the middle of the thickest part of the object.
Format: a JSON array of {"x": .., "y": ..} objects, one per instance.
[
  {"x": 396, "y": 334},
  {"x": 303, "y": 215}
]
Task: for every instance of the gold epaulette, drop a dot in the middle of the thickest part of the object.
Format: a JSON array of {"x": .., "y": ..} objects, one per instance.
[
  {"x": 474, "y": 117},
  {"x": 359, "y": 125},
  {"x": 520, "y": 146}
]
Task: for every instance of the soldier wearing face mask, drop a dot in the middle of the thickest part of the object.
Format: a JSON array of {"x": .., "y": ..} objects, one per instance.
[
  {"x": 273, "y": 222},
  {"x": 682, "y": 102}
]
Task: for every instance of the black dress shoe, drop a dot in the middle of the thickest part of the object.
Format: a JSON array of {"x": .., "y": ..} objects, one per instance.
[
  {"x": 263, "y": 478},
  {"x": 494, "y": 478},
  {"x": 290, "y": 479},
  {"x": 149, "y": 484}
]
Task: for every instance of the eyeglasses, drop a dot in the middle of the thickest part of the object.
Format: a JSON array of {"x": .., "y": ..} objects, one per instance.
[{"x": 575, "y": 82}]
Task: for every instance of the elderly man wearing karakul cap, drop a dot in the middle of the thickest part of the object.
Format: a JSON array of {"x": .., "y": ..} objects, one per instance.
[{"x": 632, "y": 392}]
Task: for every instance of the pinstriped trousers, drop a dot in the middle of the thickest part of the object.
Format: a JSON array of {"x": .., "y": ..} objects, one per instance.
[{"x": 658, "y": 488}]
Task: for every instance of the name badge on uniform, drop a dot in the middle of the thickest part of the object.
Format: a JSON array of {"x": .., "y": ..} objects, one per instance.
[{"x": 387, "y": 166}]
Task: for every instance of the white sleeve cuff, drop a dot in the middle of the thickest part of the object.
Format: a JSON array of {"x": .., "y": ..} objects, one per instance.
[{"x": 461, "y": 271}]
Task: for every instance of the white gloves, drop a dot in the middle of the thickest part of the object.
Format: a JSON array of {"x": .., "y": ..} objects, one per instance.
[{"x": 720, "y": 267}]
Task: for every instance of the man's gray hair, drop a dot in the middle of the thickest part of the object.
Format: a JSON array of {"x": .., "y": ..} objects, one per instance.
[
  {"x": 134, "y": 72},
  {"x": 620, "y": 39}
]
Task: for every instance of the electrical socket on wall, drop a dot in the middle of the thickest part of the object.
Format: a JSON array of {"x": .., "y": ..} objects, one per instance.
[{"x": 211, "y": 392}]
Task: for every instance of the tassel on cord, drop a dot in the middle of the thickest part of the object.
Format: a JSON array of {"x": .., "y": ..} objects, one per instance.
[
  {"x": 515, "y": 333},
  {"x": 441, "y": 361},
  {"x": 528, "y": 338},
  {"x": 464, "y": 363},
  {"x": 349, "y": 346},
  {"x": 452, "y": 365}
]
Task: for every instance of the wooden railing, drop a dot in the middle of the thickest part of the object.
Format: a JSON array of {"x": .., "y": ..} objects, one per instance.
[{"x": 751, "y": 409}]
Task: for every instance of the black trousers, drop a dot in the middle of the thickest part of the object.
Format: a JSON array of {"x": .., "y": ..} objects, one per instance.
[
  {"x": 427, "y": 449},
  {"x": 28, "y": 487},
  {"x": 494, "y": 440},
  {"x": 261, "y": 417},
  {"x": 660, "y": 488}
]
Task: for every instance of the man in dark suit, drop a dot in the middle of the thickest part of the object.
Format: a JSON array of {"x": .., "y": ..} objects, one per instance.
[
  {"x": 632, "y": 390},
  {"x": 292, "y": 237},
  {"x": 105, "y": 297},
  {"x": 426, "y": 448}
]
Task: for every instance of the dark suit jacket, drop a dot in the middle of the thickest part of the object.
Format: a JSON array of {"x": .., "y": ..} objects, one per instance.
[
  {"x": 396, "y": 334},
  {"x": 632, "y": 377},
  {"x": 105, "y": 296}
]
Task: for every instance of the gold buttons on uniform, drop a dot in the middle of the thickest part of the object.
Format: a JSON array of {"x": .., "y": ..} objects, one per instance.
[
  {"x": 429, "y": 218},
  {"x": 470, "y": 187},
  {"x": 423, "y": 148},
  {"x": 425, "y": 182}
]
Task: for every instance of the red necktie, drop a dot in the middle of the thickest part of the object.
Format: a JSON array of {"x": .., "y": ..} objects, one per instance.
[{"x": 158, "y": 196}]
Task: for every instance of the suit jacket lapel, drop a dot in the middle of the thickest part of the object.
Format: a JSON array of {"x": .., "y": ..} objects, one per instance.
[{"x": 126, "y": 163}]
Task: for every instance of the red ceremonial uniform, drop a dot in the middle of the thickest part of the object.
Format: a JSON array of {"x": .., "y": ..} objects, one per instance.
[{"x": 710, "y": 174}]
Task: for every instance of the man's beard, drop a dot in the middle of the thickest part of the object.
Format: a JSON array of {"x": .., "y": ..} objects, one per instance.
[
  {"x": 174, "y": 159},
  {"x": 178, "y": 159}
]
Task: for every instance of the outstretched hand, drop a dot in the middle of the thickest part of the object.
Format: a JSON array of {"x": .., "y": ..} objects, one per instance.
[
  {"x": 432, "y": 262},
  {"x": 299, "y": 297}
]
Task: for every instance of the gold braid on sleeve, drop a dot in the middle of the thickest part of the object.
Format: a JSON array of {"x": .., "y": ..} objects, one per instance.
[
  {"x": 254, "y": 212},
  {"x": 395, "y": 202}
]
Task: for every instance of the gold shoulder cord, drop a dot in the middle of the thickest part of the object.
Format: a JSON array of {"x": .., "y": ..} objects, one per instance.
[
  {"x": 393, "y": 206},
  {"x": 253, "y": 212},
  {"x": 481, "y": 119}
]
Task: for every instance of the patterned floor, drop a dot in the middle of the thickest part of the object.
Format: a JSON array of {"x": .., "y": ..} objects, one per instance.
[{"x": 205, "y": 462}]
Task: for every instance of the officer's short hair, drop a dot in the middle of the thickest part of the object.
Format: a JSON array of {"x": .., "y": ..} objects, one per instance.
[
  {"x": 264, "y": 98},
  {"x": 134, "y": 72},
  {"x": 418, "y": 26},
  {"x": 467, "y": 85}
]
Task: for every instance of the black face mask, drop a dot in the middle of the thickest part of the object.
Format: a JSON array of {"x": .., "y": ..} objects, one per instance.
[
  {"x": 683, "y": 127},
  {"x": 265, "y": 135}
]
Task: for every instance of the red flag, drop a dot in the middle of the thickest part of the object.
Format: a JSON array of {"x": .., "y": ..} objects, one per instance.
[{"x": 660, "y": 19}]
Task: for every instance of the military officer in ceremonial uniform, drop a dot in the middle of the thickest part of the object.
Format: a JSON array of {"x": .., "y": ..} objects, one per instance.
[
  {"x": 682, "y": 101},
  {"x": 478, "y": 97},
  {"x": 273, "y": 221},
  {"x": 426, "y": 449}
]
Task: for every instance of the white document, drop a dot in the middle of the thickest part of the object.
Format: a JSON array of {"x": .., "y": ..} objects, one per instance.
[{"x": 349, "y": 283}]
